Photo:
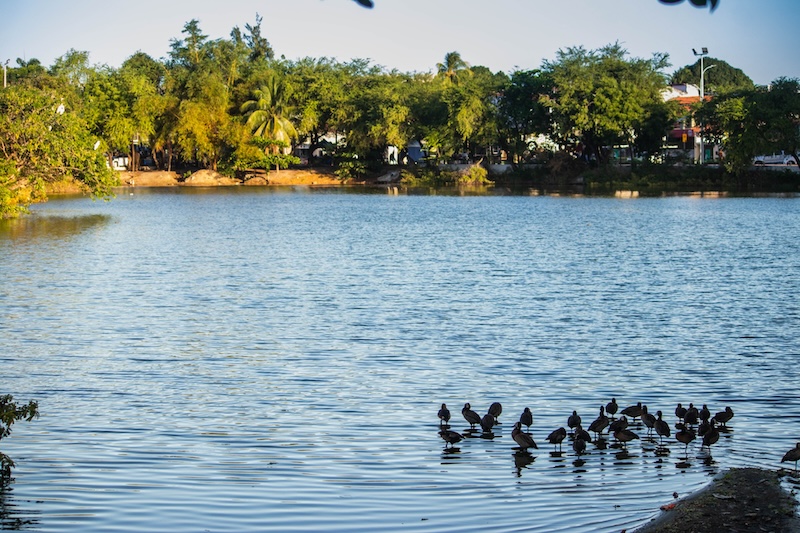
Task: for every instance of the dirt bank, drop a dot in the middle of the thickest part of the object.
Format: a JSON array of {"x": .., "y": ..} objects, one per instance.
[
  {"x": 741, "y": 500},
  {"x": 208, "y": 178}
]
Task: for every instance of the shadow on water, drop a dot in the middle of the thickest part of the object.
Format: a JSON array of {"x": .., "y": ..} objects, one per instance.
[
  {"x": 35, "y": 227},
  {"x": 11, "y": 516}
]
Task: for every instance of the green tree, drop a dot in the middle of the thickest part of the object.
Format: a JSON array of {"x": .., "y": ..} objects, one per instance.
[
  {"x": 722, "y": 78},
  {"x": 600, "y": 97},
  {"x": 755, "y": 121},
  {"x": 44, "y": 140},
  {"x": 11, "y": 412},
  {"x": 522, "y": 115},
  {"x": 268, "y": 115},
  {"x": 453, "y": 69}
]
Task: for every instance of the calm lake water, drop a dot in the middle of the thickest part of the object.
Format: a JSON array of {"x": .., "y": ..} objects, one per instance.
[{"x": 261, "y": 359}]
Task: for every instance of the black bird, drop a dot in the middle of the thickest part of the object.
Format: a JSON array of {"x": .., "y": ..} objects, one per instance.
[
  {"x": 600, "y": 423},
  {"x": 470, "y": 416},
  {"x": 793, "y": 455},
  {"x": 579, "y": 446},
  {"x": 365, "y": 3},
  {"x": 661, "y": 427},
  {"x": 444, "y": 415},
  {"x": 633, "y": 411},
  {"x": 450, "y": 437},
  {"x": 574, "y": 420},
  {"x": 495, "y": 409},
  {"x": 680, "y": 412},
  {"x": 692, "y": 415},
  {"x": 648, "y": 419},
  {"x": 625, "y": 436},
  {"x": 685, "y": 436},
  {"x": 582, "y": 434},
  {"x": 524, "y": 440},
  {"x": 619, "y": 423},
  {"x": 557, "y": 436},
  {"x": 612, "y": 407},
  {"x": 724, "y": 416},
  {"x": 712, "y": 436},
  {"x": 704, "y": 413},
  {"x": 526, "y": 418},
  {"x": 487, "y": 423}
]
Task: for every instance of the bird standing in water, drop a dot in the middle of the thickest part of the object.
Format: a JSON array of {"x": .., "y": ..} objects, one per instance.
[
  {"x": 557, "y": 436},
  {"x": 612, "y": 407},
  {"x": 450, "y": 437},
  {"x": 793, "y": 455},
  {"x": 487, "y": 423},
  {"x": 574, "y": 420},
  {"x": 633, "y": 411},
  {"x": 600, "y": 423},
  {"x": 625, "y": 436},
  {"x": 524, "y": 440},
  {"x": 680, "y": 412},
  {"x": 711, "y": 436},
  {"x": 661, "y": 427},
  {"x": 685, "y": 436},
  {"x": 444, "y": 415},
  {"x": 526, "y": 418},
  {"x": 495, "y": 409},
  {"x": 648, "y": 419},
  {"x": 470, "y": 416},
  {"x": 724, "y": 416}
]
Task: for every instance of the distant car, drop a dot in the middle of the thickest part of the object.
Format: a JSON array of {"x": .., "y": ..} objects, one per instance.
[{"x": 775, "y": 159}]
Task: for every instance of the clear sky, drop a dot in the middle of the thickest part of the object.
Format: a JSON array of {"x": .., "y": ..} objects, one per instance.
[{"x": 758, "y": 36}]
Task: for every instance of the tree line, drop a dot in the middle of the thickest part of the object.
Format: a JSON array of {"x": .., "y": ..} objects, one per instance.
[{"x": 229, "y": 104}]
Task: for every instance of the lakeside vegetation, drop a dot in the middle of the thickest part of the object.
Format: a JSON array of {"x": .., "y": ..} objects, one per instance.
[{"x": 230, "y": 104}]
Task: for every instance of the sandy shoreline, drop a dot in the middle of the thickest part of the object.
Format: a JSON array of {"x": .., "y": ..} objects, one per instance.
[{"x": 209, "y": 178}]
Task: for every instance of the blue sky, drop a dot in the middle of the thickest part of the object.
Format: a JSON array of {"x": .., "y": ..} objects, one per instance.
[{"x": 758, "y": 36}]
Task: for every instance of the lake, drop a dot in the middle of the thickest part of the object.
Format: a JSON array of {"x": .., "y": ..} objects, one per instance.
[{"x": 274, "y": 359}]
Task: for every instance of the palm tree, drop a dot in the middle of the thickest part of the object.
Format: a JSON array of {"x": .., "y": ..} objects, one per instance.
[
  {"x": 268, "y": 114},
  {"x": 452, "y": 66}
]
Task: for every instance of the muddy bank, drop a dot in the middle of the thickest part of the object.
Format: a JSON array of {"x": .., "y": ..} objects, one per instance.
[
  {"x": 209, "y": 178},
  {"x": 742, "y": 500}
]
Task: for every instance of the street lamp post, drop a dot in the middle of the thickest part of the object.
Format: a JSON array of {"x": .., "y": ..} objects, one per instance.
[{"x": 703, "y": 52}]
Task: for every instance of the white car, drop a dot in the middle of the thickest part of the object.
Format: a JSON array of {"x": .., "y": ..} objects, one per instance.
[{"x": 775, "y": 159}]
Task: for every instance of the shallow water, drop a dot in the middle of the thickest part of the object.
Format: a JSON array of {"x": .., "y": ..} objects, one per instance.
[{"x": 259, "y": 359}]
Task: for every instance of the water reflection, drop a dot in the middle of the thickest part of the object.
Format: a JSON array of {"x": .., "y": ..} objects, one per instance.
[{"x": 35, "y": 227}]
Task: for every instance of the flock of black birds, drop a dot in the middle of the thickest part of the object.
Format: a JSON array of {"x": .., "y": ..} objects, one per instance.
[{"x": 692, "y": 423}]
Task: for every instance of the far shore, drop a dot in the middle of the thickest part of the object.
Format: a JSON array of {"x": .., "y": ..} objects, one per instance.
[{"x": 209, "y": 178}]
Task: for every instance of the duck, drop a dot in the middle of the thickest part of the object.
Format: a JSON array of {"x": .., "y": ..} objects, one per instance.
[
  {"x": 711, "y": 436},
  {"x": 444, "y": 415},
  {"x": 625, "y": 436},
  {"x": 574, "y": 420},
  {"x": 661, "y": 427},
  {"x": 612, "y": 407},
  {"x": 470, "y": 416},
  {"x": 487, "y": 423},
  {"x": 724, "y": 416},
  {"x": 557, "y": 436},
  {"x": 582, "y": 434},
  {"x": 685, "y": 436},
  {"x": 633, "y": 411},
  {"x": 524, "y": 440},
  {"x": 792, "y": 455},
  {"x": 526, "y": 418},
  {"x": 579, "y": 446},
  {"x": 619, "y": 423},
  {"x": 495, "y": 409},
  {"x": 692, "y": 415},
  {"x": 600, "y": 423},
  {"x": 648, "y": 419},
  {"x": 704, "y": 413},
  {"x": 680, "y": 412},
  {"x": 450, "y": 437}
]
